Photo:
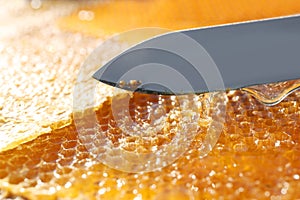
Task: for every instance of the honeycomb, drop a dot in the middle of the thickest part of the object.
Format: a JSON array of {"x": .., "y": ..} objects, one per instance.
[
  {"x": 151, "y": 130},
  {"x": 37, "y": 77},
  {"x": 257, "y": 156}
]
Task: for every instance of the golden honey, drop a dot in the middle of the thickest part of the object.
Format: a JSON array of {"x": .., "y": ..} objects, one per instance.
[{"x": 257, "y": 156}]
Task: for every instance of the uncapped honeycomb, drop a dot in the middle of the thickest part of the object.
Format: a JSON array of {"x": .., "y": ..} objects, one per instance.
[
  {"x": 37, "y": 78},
  {"x": 256, "y": 156}
]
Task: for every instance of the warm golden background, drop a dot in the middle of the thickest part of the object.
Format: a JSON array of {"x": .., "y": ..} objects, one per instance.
[{"x": 117, "y": 16}]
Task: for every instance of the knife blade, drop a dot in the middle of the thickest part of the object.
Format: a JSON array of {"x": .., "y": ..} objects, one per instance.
[{"x": 209, "y": 59}]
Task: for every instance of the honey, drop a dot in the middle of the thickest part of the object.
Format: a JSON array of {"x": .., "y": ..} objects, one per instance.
[{"x": 256, "y": 156}]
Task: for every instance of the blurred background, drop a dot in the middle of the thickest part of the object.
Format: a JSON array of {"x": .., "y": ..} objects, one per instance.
[{"x": 103, "y": 17}]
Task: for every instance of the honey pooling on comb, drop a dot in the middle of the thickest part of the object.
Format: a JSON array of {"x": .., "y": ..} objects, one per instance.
[
  {"x": 137, "y": 132},
  {"x": 256, "y": 156}
]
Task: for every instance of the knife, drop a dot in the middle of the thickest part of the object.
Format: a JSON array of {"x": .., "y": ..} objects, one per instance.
[{"x": 209, "y": 59}]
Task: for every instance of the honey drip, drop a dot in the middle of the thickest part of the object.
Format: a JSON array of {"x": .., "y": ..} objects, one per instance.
[{"x": 274, "y": 93}]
